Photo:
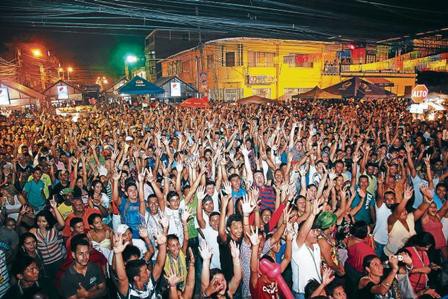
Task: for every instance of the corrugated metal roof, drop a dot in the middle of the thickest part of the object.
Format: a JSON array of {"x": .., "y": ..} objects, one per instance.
[{"x": 23, "y": 89}]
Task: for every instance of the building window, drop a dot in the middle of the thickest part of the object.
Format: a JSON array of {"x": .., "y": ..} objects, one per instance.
[
  {"x": 186, "y": 66},
  {"x": 407, "y": 90},
  {"x": 260, "y": 59},
  {"x": 210, "y": 61},
  {"x": 230, "y": 58},
  {"x": 232, "y": 94},
  {"x": 262, "y": 92}
]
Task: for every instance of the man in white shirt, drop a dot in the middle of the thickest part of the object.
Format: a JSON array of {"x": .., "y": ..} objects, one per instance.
[{"x": 306, "y": 260}]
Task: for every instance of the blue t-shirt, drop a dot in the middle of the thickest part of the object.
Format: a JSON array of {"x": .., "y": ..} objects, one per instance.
[{"x": 130, "y": 215}]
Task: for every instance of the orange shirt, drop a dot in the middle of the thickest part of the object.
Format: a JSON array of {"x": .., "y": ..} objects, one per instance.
[{"x": 87, "y": 212}]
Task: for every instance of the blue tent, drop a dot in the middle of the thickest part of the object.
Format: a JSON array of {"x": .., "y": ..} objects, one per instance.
[{"x": 138, "y": 85}]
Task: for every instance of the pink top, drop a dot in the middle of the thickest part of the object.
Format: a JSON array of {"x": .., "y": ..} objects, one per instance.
[{"x": 435, "y": 228}]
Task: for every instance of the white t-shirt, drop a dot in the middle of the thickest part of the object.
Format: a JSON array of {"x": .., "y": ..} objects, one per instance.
[
  {"x": 211, "y": 236},
  {"x": 380, "y": 233},
  {"x": 174, "y": 218},
  {"x": 306, "y": 264}
]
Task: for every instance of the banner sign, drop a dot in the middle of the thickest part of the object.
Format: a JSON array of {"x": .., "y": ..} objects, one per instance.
[
  {"x": 62, "y": 92},
  {"x": 175, "y": 89},
  {"x": 4, "y": 96}
]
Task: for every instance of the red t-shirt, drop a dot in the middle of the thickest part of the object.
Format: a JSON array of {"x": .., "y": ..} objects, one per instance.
[
  {"x": 265, "y": 289},
  {"x": 356, "y": 254}
]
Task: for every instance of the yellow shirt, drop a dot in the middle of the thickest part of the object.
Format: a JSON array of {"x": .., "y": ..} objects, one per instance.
[{"x": 65, "y": 210}]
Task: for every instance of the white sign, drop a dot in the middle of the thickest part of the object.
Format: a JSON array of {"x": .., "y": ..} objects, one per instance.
[
  {"x": 175, "y": 89},
  {"x": 417, "y": 108},
  {"x": 62, "y": 92},
  {"x": 4, "y": 96}
]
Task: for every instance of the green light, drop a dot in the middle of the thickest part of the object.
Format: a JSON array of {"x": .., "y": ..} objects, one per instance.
[{"x": 131, "y": 59}]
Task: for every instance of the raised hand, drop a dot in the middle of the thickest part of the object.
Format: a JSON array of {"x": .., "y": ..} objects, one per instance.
[
  {"x": 172, "y": 278},
  {"x": 426, "y": 191},
  {"x": 234, "y": 250},
  {"x": 119, "y": 245},
  {"x": 200, "y": 193},
  {"x": 191, "y": 255},
  {"x": 160, "y": 238},
  {"x": 253, "y": 236},
  {"x": 143, "y": 232},
  {"x": 408, "y": 191},
  {"x": 327, "y": 276},
  {"x": 205, "y": 251},
  {"x": 255, "y": 193},
  {"x": 247, "y": 206},
  {"x": 116, "y": 176},
  {"x": 356, "y": 157},
  {"x": 149, "y": 176},
  {"x": 227, "y": 188},
  {"x": 141, "y": 176},
  {"x": 185, "y": 215},
  {"x": 164, "y": 222},
  {"x": 244, "y": 150},
  {"x": 316, "y": 208},
  {"x": 427, "y": 161},
  {"x": 179, "y": 167},
  {"x": 408, "y": 147},
  {"x": 303, "y": 171}
]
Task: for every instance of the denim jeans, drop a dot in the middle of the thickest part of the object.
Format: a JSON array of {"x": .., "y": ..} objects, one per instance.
[
  {"x": 379, "y": 250},
  {"x": 298, "y": 295}
]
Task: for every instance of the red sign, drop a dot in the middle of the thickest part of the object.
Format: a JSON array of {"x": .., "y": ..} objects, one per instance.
[{"x": 419, "y": 93}]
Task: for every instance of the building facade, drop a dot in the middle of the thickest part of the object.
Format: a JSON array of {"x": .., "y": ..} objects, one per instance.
[{"x": 233, "y": 68}]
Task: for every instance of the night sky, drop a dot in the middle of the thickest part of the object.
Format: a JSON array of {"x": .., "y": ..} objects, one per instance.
[{"x": 95, "y": 35}]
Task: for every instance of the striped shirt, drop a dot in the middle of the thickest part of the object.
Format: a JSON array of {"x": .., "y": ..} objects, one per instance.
[
  {"x": 51, "y": 246},
  {"x": 4, "y": 276},
  {"x": 267, "y": 197}
]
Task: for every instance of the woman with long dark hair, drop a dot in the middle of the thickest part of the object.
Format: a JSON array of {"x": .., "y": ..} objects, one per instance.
[{"x": 49, "y": 238}]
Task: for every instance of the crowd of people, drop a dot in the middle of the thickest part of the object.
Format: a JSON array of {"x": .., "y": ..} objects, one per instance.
[{"x": 294, "y": 200}]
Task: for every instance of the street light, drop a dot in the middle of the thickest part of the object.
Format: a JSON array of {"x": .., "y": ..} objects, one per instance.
[
  {"x": 69, "y": 70},
  {"x": 130, "y": 59},
  {"x": 36, "y": 52}
]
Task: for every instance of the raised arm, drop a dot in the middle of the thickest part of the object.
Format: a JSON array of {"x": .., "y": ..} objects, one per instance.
[
  {"x": 56, "y": 213},
  {"x": 199, "y": 212},
  {"x": 206, "y": 254},
  {"x": 115, "y": 193},
  {"x": 161, "y": 256},
  {"x": 306, "y": 226},
  {"x": 408, "y": 149},
  {"x": 119, "y": 247},
  {"x": 400, "y": 208},
  {"x": 255, "y": 241},
  {"x": 237, "y": 273},
  {"x": 247, "y": 167},
  {"x": 222, "y": 218}
]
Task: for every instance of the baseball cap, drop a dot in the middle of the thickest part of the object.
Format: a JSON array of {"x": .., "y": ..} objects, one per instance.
[{"x": 121, "y": 229}]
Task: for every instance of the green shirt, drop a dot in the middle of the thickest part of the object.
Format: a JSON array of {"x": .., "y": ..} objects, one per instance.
[{"x": 192, "y": 231}]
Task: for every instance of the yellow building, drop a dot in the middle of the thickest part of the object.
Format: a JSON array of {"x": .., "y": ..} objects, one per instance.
[{"x": 232, "y": 68}]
